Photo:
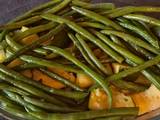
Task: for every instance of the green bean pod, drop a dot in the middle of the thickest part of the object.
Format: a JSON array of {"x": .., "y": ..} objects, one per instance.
[
  {"x": 93, "y": 25},
  {"x": 49, "y": 106},
  {"x": 102, "y": 6},
  {"x": 143, "y": 18},
  {"x": 132, "y": 39},
  {"x": 132, "y": 9},
  {"x": 97, "y": 17},
  {"x": 142, "y": 32},
  {"x": 86, "y": 114},
  {"x": 86, "y": 34}
]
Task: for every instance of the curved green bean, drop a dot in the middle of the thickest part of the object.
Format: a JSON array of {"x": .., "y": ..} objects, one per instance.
[
  {"x": 78, "y": 45},
  {"x": 143, "y": 18},
  {"x": 103, "y": 6},
  {"x": 19, "y": 100},
  {"x": 86, "y": 114},
  {"x": 60, "y": 6},
  {"x": 105, "y": 70},
  {"x": 142, "y": 32},
  {"x": 49, "y": 106},
  {"x": 34, "y": 30},
  {"x": 16, "y": 46},
  {"x": 97, "y": 17},
  {"x": 132, "y": 9},
  {"x": 86, "y": 34},
  {"x": 116, "y": 40},
  {"x": 61, "y": 79},
  {"x": 99, "y": 79},
  {"x": 132, "y": 39},
  {"x": 34, "y": 44}
]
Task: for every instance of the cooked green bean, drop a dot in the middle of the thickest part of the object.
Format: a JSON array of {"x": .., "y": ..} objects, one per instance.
[
  {"x": 98, "y": 78},
  {"x": 116, "y": 40},
  {"x": 132, "y": 9},
  {"x": 60, "y": 6},
  {"x": 118, "y": 48},
  {"x": 143, "y": 18},
  {"x": 143, "y": 33},
  {"x": 97, "y": 17},
  {"x": 20, "y": 78},
  {"x": 34, "y": 44},
  {"x": 86, "y": 34},
  {"x": 34, "y": 30},
  {"x": 49, "y": 106},
  {"x": 4, "y": 86},
  {"x": 48, "y": 63},
  {"x": 103, "y": 6},
  {"x": 78, "y": 45},
  {"x": 86, "y": 114},
  {"x": 19, "y": 100},
  {"x": 20, "y": 23},
  {"x": 61, "y": 79},
  {"x": 14, "y": 109},
  {"x": 132, "y": 39},
  {"x": 96, "y": 61},
  {"x": 16, "y": 46},
  {"x": 110, "y": 118},
  {"x": 93, "y": 25}
]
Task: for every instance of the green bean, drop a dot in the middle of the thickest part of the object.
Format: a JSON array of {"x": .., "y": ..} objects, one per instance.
[
  {"x": 86, "y": 34},
  {"x": 78, "y": 45},
  {"x": 4, "y": 86},
  {"x": 34, "y": 30},
  {"x": 20, "y": 78},
  {"x": 19, "y": 100},
  {"x": 49, "y": 106},
  {"x": 105, "y": 70},
  {"x": 34, "y": 44},
  {"x": 21, "y": 23},
  {"x": 143, "y": 18},
  {"x": 103, "y": 6},
  {"x": 2, "y": 35},
  {"x": 60, "y": 6},
  {"x": 97, "y": 17},
  {"x": 110, "y": 118},
  {"x": 15, "y": 110},
  {"x": 93, "y": 25},
  {"x": 27, "y": 66},
  {"x": 61, "y": 79},
  {"x": 118, "y": 48},
  {"x": 47, "y": 63},
  {"x": 132, "y": 9},
  {"x": 86, "y": 114},
  {"x": 99, "y": 79},
  {"x": 116, "y": 40},
  {"x": 132, "y": 39},
  {"x": 156, "y": 30},
  {"x": 142, "y": 32},
  {"x": 13, "y": 44}
]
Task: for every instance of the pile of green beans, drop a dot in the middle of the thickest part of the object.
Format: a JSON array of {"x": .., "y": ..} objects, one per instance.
[{"x": 120, "y": 35}]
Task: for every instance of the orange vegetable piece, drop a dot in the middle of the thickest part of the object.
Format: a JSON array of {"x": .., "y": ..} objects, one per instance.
[
  {"x": 15, "y": 63},
  {"x": 27, "y": 73}
]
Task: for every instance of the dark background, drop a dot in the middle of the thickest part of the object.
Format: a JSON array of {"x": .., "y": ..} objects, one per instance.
[{"x": 12, "y": 8}]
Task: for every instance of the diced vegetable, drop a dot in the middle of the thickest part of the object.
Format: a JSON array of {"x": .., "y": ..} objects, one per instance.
[
  {"x": 15, "y": 63},
  {"x": 84, "y": 81},
  {"x": 118, "y": 67},
  {"x": 27, "y": 73},
  {"x": 147, "y": 100}
]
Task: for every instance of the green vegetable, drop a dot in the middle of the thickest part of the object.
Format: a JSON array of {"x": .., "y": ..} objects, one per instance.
[
  {"x": 132, "y": 39},
  {"x": 86, "y": 34},
  {"x": 97, "y": 17},
  {"x": 93, "y": 25}
]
